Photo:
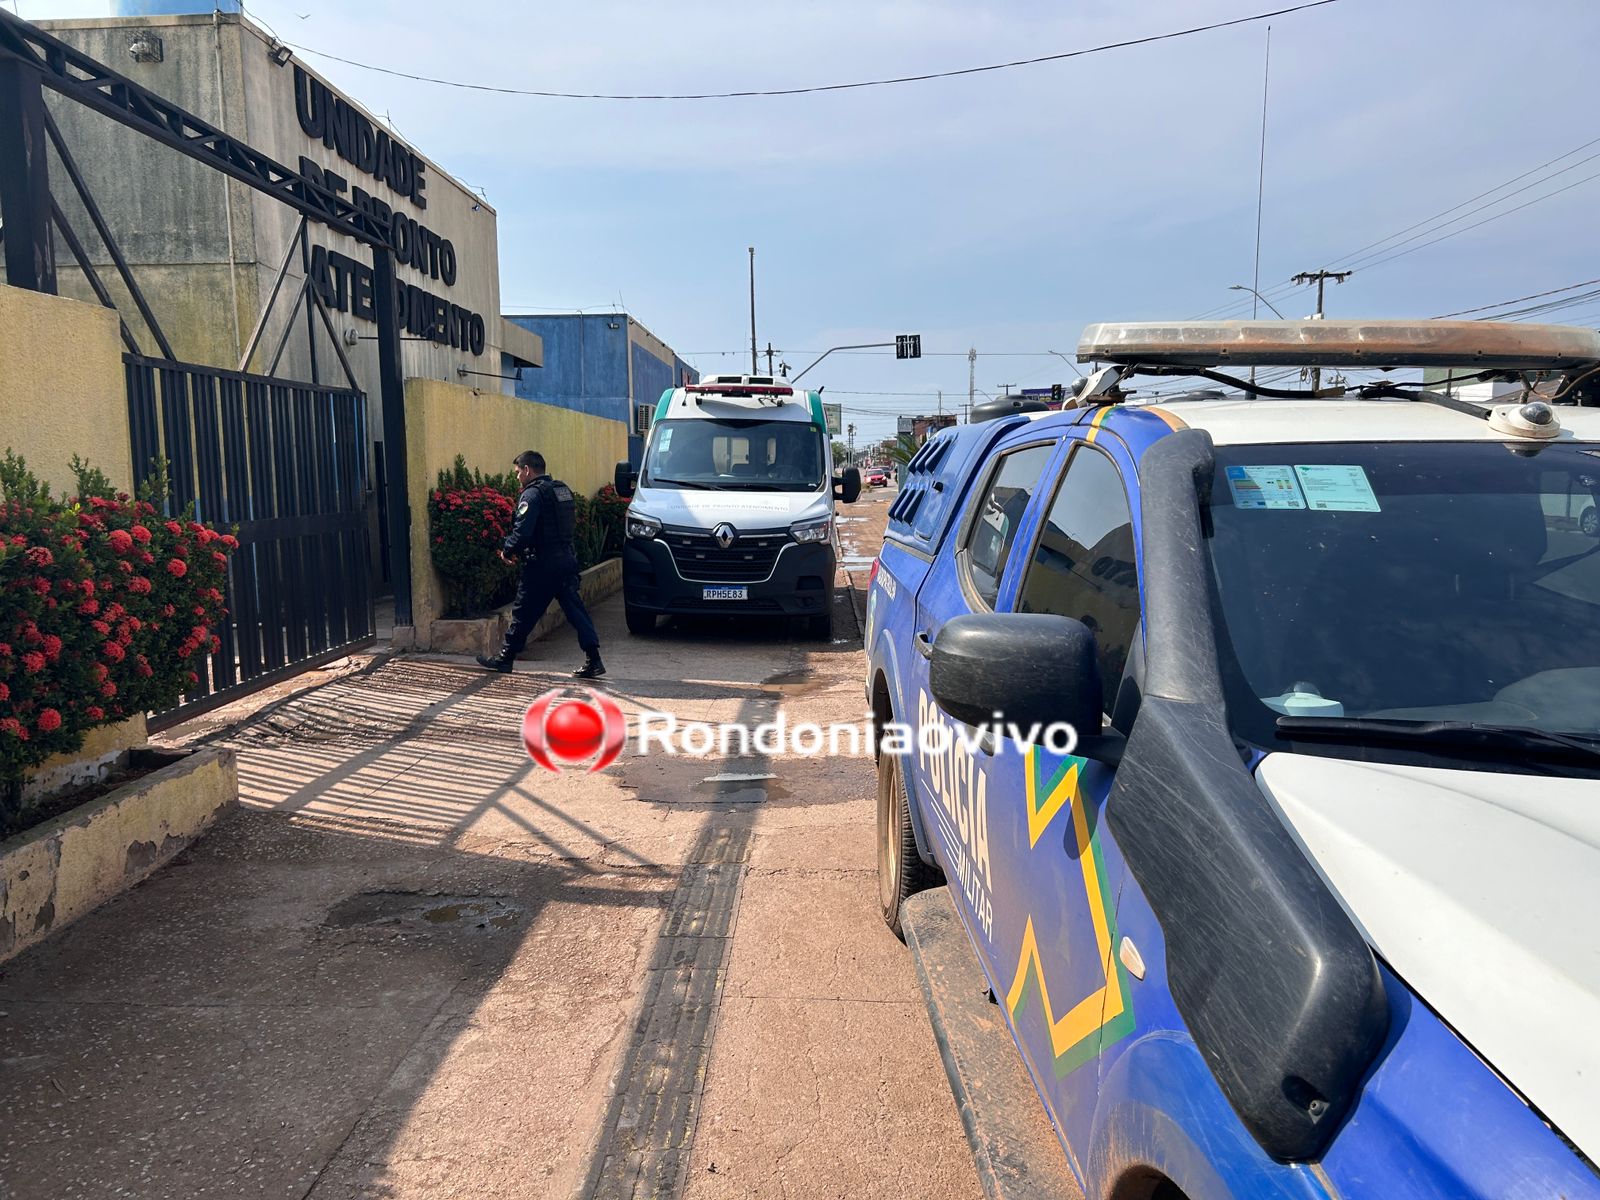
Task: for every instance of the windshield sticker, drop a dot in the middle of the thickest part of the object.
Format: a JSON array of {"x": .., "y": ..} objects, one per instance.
[
  {"x": 666, "y": 440},
  {"x": 1264, "y": 487},
  {"x": 1337, "y": 489}
]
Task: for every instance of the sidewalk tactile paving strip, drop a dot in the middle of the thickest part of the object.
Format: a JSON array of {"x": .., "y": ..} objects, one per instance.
[{"x": 644, "y": 1144}]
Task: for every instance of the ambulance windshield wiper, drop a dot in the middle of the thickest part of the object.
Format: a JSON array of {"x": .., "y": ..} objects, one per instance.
[
  {"x": 684, "y": 483},
  {"x": 1462, "y": 734}
]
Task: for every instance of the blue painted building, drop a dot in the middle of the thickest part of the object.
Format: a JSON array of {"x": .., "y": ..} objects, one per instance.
[{"x": 603, "y": 364}]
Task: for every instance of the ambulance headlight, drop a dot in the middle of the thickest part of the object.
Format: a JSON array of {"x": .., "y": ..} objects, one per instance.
[
  {"x": 811, "y": 531},
  {"x": 643, "y": 527}
]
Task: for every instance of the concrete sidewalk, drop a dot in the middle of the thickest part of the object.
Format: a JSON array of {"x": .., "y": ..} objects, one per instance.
[{"x": 413, "y": 964}]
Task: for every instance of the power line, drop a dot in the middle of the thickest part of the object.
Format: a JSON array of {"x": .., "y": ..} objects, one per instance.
[
  {"x": 1490, "y": 192},
  {"x": 1516, "y": 300},
  {"x": 1385, "y": 257},
  {"x": 828, "y": 87},
  {"x": 1434, "y": 224}
]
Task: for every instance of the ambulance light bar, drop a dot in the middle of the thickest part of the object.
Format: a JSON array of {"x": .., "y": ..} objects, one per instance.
[
  {"x": 1482, "y": 345},
  {"x": 740, "y": 389}
]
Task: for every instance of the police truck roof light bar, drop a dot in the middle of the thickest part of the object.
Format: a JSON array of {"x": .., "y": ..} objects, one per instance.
[{"x": 1483, "y": 345}]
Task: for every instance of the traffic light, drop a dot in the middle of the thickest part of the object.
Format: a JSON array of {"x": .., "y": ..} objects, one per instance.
[{"x": 1056, "y": 393}]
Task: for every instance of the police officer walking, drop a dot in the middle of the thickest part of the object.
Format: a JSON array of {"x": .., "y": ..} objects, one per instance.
[{"x": 542, "y": 539}]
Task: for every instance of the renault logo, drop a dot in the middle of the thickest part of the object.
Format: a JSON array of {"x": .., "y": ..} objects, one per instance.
[{"x": 725, "y": 535}]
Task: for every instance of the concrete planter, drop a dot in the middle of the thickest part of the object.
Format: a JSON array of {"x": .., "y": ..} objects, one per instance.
[
  {"x": 55, "y": 873},
  {"x": 485, "y": 635}
]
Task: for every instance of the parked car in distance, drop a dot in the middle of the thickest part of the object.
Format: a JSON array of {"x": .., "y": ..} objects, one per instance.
[{"x": 876, "y": 477}]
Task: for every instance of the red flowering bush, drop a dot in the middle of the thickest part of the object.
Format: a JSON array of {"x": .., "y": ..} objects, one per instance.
[
  {"x": 469, "y": 518},
  {"x": 46, "y": 657},
  {"x": 106, "y": 610}
]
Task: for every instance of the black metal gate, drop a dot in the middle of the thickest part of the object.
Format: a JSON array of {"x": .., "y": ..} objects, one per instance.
[{"x": 286, "y": 463}]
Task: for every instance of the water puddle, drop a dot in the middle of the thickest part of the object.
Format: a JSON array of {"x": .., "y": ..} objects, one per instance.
[
  {"x": 421, "y": 910},
  {"x": 736, "y": 788},
  {"x": 789, "y": 684}
]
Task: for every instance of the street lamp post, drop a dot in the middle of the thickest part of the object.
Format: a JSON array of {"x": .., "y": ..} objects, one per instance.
[{"x": 1245, "y": 287}]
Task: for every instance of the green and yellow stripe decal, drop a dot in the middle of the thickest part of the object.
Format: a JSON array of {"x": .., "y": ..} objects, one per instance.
[
  {"x": 1106, "y": 1014},
  {"x": 1094, "y": 424}
]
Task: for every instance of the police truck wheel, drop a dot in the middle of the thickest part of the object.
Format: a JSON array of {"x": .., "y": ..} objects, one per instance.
[
  {"x": 821, "y": 627},
  {"x": 641, "y": 622},
  {"x": 1589, "y": 522},
  {"x": 901, "y": 871}
]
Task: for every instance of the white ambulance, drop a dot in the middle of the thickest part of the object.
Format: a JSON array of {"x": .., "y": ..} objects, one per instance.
[{"x": 732, "y": 507}]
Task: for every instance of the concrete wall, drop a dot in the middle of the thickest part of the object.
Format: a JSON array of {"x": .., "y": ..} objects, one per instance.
[
  {"x": 104, "y": 749},
  {"x": 61, "y": 387},
  {"x": 54, "y": 874},
  {"x": 488, "y": 430}
]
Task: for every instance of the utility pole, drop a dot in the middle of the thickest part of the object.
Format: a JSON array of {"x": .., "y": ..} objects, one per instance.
[
  {"x": 1004, "y": 388},
  {"x": 1320, "y": 278},
  {"x": 972, "y": 374},
  {"x": 941, "y": 402},
  {"x": 754, "y": 366},
  {"x": 770, "y": 353},
  {"x": 851, "y": 429}
]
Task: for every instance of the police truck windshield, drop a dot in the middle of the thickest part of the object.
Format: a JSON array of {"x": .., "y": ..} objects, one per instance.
[
  {"x": 735, "y": 455},
  {"x": 1454, "y": 583}
]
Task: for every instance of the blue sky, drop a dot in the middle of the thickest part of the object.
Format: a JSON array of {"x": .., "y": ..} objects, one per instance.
[{"x": 1001, "y": 211}]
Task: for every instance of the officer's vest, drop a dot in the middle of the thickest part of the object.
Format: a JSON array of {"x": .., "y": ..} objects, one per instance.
[{"x": 552, "y": 536}]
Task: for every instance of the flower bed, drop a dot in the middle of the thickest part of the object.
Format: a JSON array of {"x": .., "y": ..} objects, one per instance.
[
  {"x": 104, "y": 605},
  {"x": 469, "y": 518}
]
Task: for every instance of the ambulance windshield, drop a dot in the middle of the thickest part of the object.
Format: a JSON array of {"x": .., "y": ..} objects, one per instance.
[{"x": 735, "y": 455}]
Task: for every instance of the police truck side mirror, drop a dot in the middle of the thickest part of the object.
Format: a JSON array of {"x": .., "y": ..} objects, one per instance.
[
  {"x": 626, "y": 480},
  {"x": 1031, "y": 668},
  {"x": 847, "y": 485}
]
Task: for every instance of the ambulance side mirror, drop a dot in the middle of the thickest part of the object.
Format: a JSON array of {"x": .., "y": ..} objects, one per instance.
[
  {"x": 1031, "y": 668},
  {"x": 626, "y": 480},
  {"x": 847, "y": 485}
]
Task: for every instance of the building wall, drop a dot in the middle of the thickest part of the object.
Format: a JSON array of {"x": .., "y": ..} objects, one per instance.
[
  {"x": 651, "y": 376},
  {"x": 602, "y": 364},
  {"x": 205, "y": 250},
  {"x": 585, "y": 363},
  {"x": 489, "y": 430},
  {"x": 61, "y": 387}
]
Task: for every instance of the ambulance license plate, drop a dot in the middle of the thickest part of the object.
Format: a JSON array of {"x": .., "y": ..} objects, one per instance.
[{"x": 725, "y": 593}]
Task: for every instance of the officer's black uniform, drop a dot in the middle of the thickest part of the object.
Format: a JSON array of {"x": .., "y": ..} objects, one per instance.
[{"x": 542, "y": 538}]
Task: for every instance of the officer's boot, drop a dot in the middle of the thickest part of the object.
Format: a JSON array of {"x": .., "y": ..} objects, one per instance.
[
  {"x": 500, "y": 662},
  {"x": 593, "y": 668}
]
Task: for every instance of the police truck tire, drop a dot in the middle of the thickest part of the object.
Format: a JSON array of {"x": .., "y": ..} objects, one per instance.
[
  {"x": 901, "y": 871},
  {"x": 821, "y": 627},
  {"x": 641, "y": 622},
  {"x": 1589, "y": 522}
]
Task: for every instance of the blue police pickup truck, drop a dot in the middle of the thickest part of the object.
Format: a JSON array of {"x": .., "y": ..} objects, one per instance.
[{"x": 1306, "y": 904}]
